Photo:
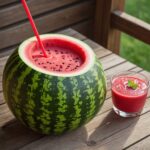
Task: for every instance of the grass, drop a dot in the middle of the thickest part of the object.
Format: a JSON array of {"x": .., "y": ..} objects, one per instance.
[{"x": 131, "y": 48}]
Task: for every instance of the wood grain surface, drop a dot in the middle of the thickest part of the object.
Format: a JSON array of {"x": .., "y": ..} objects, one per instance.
[{"x": 106, "y": 131}]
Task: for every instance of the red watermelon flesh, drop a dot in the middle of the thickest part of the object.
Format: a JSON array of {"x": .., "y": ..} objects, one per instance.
[{"x": 62, "y": 56}]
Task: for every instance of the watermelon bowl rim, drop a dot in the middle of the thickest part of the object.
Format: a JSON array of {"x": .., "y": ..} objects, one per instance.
[{"x": 85, "y": 67}]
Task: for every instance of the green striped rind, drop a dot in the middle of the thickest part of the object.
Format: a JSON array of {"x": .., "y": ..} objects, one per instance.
[
  {"x": 8, "y": 75},
  {"x": 60, "y": 118},
  {"x": 77, "y": 102},
  {"x": 50, "y": 104},
  {"x": 44, "y": 101}
]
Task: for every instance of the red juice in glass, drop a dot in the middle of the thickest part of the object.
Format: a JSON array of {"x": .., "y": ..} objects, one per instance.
[{"x": 129, "y": 92}]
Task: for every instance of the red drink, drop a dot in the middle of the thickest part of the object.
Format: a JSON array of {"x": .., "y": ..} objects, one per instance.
[
  {"x": 64, "y": 56},
  {"x": 127, "y": 100}
]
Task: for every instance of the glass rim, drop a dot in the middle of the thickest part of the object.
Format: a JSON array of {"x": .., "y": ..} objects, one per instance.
[{"x": 131, "y": 72}]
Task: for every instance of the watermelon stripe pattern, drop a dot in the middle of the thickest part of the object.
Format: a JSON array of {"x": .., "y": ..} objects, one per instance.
[{"x": 52, "y": 104}]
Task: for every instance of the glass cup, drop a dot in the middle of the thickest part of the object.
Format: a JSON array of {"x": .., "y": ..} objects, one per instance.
[{"x": 129, "y": 93}]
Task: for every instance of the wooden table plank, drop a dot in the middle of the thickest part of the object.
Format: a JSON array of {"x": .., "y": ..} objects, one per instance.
[
  {"x": 101, "y": 133},
  {"x": 144, "y": 144},
  {"x": 94, "y": 45},
  {"x": 107, "y": 106},
  {"x": 111, "y": 61},
  {"x": 16, "y": 135},
  {"x": 105, "y": 131},
  {"x": 5, "y": 115},
  {"x": 1, "y": 98},
  {"x": 6, "y": 2},
  {"x": 105, "y": 109},
  {"x": 127, "y": 132},
  {"x": 104, "y": 125}
]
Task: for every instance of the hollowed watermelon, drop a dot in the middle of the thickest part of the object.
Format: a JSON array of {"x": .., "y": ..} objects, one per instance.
[{"x": 55, "y": 94}]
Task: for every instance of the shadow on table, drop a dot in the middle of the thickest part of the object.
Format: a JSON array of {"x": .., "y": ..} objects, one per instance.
[
  {"x": 112, "y": 133},
  {"x": 15, "y": 136},
  {"x": 74, "y": 140}
]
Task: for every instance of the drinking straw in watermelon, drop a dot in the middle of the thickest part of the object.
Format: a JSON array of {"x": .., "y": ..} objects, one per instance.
[{"x": 33, "y": 26}]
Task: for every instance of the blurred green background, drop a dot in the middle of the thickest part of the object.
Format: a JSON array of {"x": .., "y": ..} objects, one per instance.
[{"x": 131, "y": 48}]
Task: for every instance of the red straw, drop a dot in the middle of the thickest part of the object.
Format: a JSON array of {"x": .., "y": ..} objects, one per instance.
[{"x": 34, "y": 27}]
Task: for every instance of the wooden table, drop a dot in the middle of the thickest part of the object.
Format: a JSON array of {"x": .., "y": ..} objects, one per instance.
[{"x": 106, "y": 131}]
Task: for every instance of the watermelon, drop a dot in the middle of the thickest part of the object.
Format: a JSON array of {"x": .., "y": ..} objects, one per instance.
[{"x": 47, "y": 97}]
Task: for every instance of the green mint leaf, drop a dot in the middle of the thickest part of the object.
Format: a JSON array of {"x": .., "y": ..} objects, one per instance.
[{"x": 132, "y": 84}]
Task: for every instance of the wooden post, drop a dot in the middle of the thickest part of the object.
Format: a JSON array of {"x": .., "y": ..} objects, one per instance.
[
  {"x": 104, "y": 34},
  {"x": 102, "y": 21}
]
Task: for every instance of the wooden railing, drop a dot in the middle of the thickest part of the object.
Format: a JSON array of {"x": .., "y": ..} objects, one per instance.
[
  {"x": 49, "y": 15},
  {"x": 110, "y": 19}
]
